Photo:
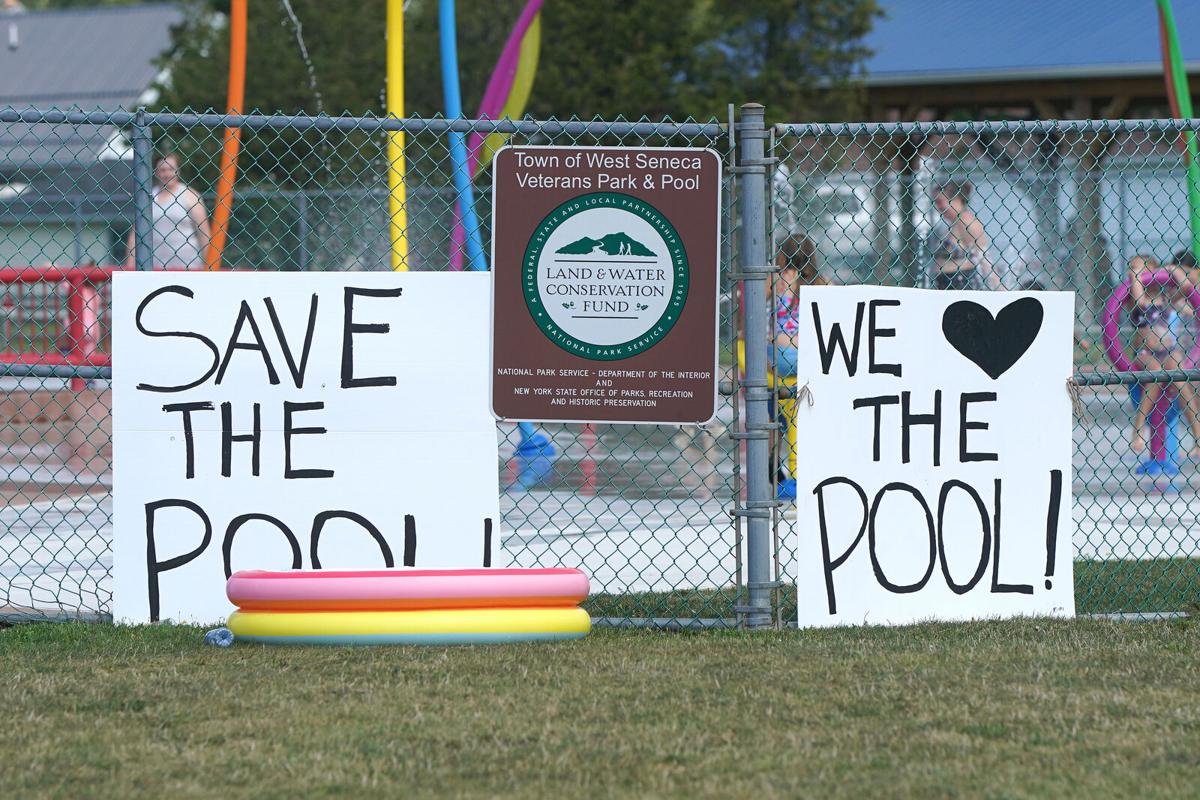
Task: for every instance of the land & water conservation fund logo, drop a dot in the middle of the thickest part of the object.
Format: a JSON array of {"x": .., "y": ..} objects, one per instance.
[{"x": 605, "y": 276}]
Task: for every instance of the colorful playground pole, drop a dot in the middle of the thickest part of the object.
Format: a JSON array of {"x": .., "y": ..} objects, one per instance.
[
  {"x": 458, "y": 145},
  {"x": 506, "y": 95},
  {"x": 233, "y": 136},
  {"x": 397, "y": 191},
  {"x": 1164, "y": 441},
  {"x": 1180, "y": 98},
  {"x": 534, "y": 448},
  {"x": 510, "y": 86}
]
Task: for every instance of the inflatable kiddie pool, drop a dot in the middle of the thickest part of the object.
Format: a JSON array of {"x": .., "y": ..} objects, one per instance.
[
  {"x": 408, "y": 606},
  {"x": 405, "y": 589},
  {"x": 435, "y": 627}
]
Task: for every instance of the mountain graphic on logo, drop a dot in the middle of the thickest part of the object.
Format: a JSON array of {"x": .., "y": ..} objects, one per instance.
[{"x": 613, "y": 244}]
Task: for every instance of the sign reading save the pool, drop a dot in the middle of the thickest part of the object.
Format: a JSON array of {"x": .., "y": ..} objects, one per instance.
[
  {"x": 605, "y": 300},
  {"x": 295, "y": 420},
  {"x": 934, "y": 455}
]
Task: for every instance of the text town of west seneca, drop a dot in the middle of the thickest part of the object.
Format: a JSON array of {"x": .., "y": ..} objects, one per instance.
[{"x": 637, "y": 170}]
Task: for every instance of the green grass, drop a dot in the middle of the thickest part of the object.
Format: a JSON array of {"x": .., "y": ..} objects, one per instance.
[
  {"x": 1033, "y": 708},
  {"x": 1101, "y": 587},
  {"x": 1168, "y": 584}
]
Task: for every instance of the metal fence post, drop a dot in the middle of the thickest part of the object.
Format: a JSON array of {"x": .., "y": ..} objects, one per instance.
[
  {"x": 302, "y": 229},
  {"x": 143, "y": 193},
  {"x": 755, "y": 266}
]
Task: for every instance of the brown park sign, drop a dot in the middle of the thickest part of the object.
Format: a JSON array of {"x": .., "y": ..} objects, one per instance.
[{"x": 604, "y": 298}]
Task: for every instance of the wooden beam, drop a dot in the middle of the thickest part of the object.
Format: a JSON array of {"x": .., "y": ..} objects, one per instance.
[
  {"x": 1117, "y": 107},
  {"x": 1002, "y": 93},
  {"x": 1046, "y": 109}
]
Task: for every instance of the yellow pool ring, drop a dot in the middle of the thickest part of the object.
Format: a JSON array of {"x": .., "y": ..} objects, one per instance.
[{"x": 439, "y": 627}]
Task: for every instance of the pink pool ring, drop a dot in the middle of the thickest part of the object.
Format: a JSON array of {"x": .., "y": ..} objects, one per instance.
[
  {"x": 405, "y": 589},
  {"x": 1115, "y": 351},
  {"x": 1113, "y": 347}
]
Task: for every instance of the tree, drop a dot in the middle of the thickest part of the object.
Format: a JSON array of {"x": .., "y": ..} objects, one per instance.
[
  {"x": 799, "y": 58},
  {"x": 692, "y": 57},
  {"x": 632, "y": 58},
  {"x": 606, "y": 58},
  {"x": 48, "y": 5}
]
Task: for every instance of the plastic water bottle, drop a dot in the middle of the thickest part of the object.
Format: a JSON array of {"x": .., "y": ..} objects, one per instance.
[{"x": 219, "y": 637}]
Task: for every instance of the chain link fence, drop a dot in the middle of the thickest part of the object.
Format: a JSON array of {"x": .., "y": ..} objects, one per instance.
[
  {"x": 671, "y": 524},
  {"x": 644, "y": 510},
  {"x": 1093, "y": 207}
]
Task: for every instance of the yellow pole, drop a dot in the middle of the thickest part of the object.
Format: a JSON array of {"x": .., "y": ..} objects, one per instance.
[{"x": 397, "y": 208}]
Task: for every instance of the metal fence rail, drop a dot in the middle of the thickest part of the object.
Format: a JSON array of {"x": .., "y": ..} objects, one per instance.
[{"x": 676, "y": 526}]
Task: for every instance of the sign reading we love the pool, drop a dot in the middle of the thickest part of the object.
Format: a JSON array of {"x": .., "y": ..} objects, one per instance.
[
  {"x": 286, "y": 421},
  {"x": 934, "y": 463}
]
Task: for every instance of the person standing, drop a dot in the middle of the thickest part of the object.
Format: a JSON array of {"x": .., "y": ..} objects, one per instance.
[
  {"x": 960, "y": 256},
  {"x": 179, "y": 221}
]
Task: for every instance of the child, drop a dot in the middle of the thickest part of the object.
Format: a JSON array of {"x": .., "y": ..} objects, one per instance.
[
  {"x": 797, "y": 262},
  {"x": 1156, "y": 325}
]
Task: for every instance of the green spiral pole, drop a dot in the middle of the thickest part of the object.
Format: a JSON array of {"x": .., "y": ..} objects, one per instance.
[{"x": 1180, "y": 99}]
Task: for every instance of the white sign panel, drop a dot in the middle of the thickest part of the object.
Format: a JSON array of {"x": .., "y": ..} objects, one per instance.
[
  {"x": 934, "y": 469},
  {"x": 276, "y": 421}
]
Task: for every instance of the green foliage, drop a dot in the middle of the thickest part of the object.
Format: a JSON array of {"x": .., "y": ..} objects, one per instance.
[
  {"x": 52, "y": 5},
  {"x": 797, "y": 58},
  {"x": 635, "y": 58},
  {"x": 691, "y": 57}
]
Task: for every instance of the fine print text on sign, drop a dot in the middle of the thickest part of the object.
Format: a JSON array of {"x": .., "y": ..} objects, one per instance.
[
  {"x": 605, "y": 296},
  {"x": 295, "y": 420},
  {"x": 934, "y": 464}
]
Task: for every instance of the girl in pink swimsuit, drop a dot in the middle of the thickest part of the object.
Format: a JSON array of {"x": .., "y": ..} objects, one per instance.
[{"x": 1156, "y": 326}]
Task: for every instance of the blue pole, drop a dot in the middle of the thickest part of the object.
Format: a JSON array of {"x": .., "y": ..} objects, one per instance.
[{"x": 447, "y": 28}]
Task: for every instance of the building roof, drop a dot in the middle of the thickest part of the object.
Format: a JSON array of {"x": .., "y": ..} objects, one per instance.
[
  {"x": 90, "y": 58},
  {"x": 957, "y": 41},
  {"x": 99, "y": 192}
]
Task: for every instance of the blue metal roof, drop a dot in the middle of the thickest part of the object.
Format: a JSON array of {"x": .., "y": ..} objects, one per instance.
[{"x": 938, "y": 41}]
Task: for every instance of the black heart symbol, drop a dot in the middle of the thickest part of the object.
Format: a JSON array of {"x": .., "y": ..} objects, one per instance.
[{"x": 994, "y": 344}]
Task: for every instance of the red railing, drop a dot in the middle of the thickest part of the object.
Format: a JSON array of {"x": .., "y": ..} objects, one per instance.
[{"x": 52, "y": 332}]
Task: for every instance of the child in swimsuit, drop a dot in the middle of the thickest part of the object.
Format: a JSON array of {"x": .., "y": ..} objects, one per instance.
[
  {"x": 1157, "y": 323},
  {"x": 797, "y": 262}
]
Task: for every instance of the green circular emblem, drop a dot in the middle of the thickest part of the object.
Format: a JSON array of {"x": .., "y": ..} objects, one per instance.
[{"x": 605, "y": 276}]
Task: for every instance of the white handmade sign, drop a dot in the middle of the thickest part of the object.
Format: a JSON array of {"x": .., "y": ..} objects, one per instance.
[
  {"x": 934, "y": 468},
  {"x": 276, "y": 421}
]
